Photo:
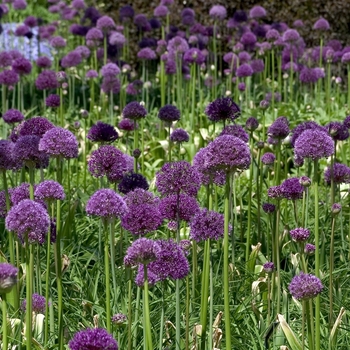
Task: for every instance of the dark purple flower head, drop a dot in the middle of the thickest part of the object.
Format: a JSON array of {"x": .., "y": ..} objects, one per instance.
[
  {"x": 91, "y": 74},
  {"x": 12, "y": 116},
  {"x": 106, "y": 204},
  {"x": 222, "y": 109},
  {"x": 142, "y": 23},
  {"x": 308, "y": 75},
  {"x": 321, "y": 24},
  {"x": 179, "y": 136},
  {"x": 142, "y": 251},
  {"x": 131, "y": 181},
  {"x": 110, "y": 84},
  {"x": 251, "y": 124},
  {"x": 336, "y": 209},
  {"x": 218, "y": 12},
  {"x": 268, "y": 158},
  {"x": 105, "y": 24},
  {"x": 49, "y": 190},
  {"x": 8, "y": 277},
  {"x": 268, "y": 208},
  {"x": 279, "y": 129},
  {"x": 248, "y": 39},
  {"x": 299, "y": 234},
  {"x": 178, "y": 177},
  {"x": 240, "y": 16},
  {"x": 72, "y": 59},
  {"x": 29, "y": 220},
  {"x": 59, "y": 142},
  {"x": 22, "y": 30},
  {"x": 269, "y": 267},
  {"x": 93, "y": 338},
  {"x": 127, "y": 124},
  {"x": 9, "y": 77},
  {"x": 43, "y": 62},
  {"x": 206, "y": 224},
  {"x": 53, "y": 101},
  {"x": 110, "y": 70},
  {"x": 78, "y": 4},
  {"x": 134, "y": 110},
  {"x": 244, "y": 70},
  {"x": 169, "y": 114},
  {"x": 102, "y": 132},
  {"x": 346, "y": 122},
  {"x": 58, "y": 42},
  {"x": 257, "y": 12},
  {"x": 339, "y": 172},
  {"x": 38, "y": 304},
  {"x": 275, "y": 192},
  {"x": 46, "y": 80},
  {"x": 22, "y": 66},
  {"x": 338, "y": 131},
  {"x": 314, "y": 144},
  {"x": 7, "y": 162},
  {"x": 140, "y": 196},
  {"x": 5, "y": 59},
  {"x": 257, "y": 65},
  {"x": 235, "y": 130},
  {"x": 152, "y": 278},
  {"x": 186, "y": 208},
  {"x": 299, "y": 129},
  {"x": 292, "y": 189},
  {"x": 305, "y": 286},
  {"x": 19, "y": 193},
  {"x": 35, "y": 126},
  {"x": 187, "y": 17},
  {"x": 126, "y": 13}
]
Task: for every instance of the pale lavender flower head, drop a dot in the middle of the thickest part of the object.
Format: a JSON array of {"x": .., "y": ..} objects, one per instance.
[
  {"x": 53, "y": 101},
  {"x": 102, "y": 132},
  {"x": 309, "y": 249},
  {"x": 91, "y": 74},
  {"x": 110, "y": 70},
  {"x": 12, "y": 116},
  {"x": 119, "y": 319},
  {"x": 161, "y": 11},
  {"x": 279, "y": 129},
  {"x": 169, "y": 114},
  {"x": 22, "y": 66},
  {"x": 269, "y": 267},
  {"x": 106, "y": 204},
  {"x": 339, "y": 172},
  {"x": 186, "y": 208},
  {"x": 248, "y": 39},
  {"x": 305, "y": 286},
  {"x": 206, "y": 224},
  {"x": 49, "y": 190},
  {"x": 78, "y": 4},
  {"x": 117, "y": 39},
  {"x": 93, "y": 338},
  {"x": 59, "y": 142},
  {"x": 8, "y": 277},
  {"x": 29, "y": 220},
  {"x": 178, "y": 177},
  {"x": 134, "y": 110},
  {"x": 268, "y": 208},
  {"x": 179, "y": 136},
  {"x": 194, "y": 55},
  {"x": 222, "y": 109},
  {"x": 35, "y": 126},
  {"x": 314, "y": 144},
  {"x": 46, "y": 80},
  {"x": 58, "y": 42},
  {"x": 105, "y": 24},
  {"x": 299, "y": 234},
  {"x": 346, "y": 58},
  {"x": 244, "y": 70},
  {"x": 142, "y": 251},
  {"x": 146, "y": 54},
  {"x": 9, "y": 77},
  {"x": 94, "y": 37},
  {"x": 292, "y": 189},
  {"x": 241, "y": 86},
  {"x": 110, "y": 84},
  {"x": 298, "y": 23},
  {"x": 268, "y": 158},
  {"x": 218, "y": 12},
  {"x": 291, "y": 36},
  {"x": 19, "y": 4},
  {"x": 257, "y": 12},
  {"x": 272, "y": 35},
  {"x": 38, "y": 304},
  {"x": 321, "y": 25},
  {"x": 177, "y": 45},
  {"x": 235, "y": 130}
]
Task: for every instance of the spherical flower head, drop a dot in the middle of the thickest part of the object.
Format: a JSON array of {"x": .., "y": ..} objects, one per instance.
[
  {"x": 227, "y": 153},
  {"x": 72, "y": 59},
  {"x": 299, "y": 234},
  {"x": 49, "y": 190},
  {"x": 126, "y": 13},
  {"x": 292, "y": 189},
  {"x": 339, "y": 172},
  {"x": 134, "y": 110},
  {"x": 7, "y": 160},
  {"x": 269, "y": 267},
  {"x": 19, "y": 193},
  {"x": 131, "y": 181},
  {"x": 106, "y": 204},
  {"x": 321, "y": 24},
  {"x": 206, "y": 224},
  {"x": 5, "y": 59},
  {"x": 91, "y": 74},
  {"x": 308, "y": 75},
  {"x": 346, "y": 122},
  {"x": 78, "y": 4},
  {"x": 22, "y": 66},
  {"x": 268, "y": 158},
  {"x": 127, "y": 124},
  {"x": 58, "y": 42},
  {"x": 279, "y": 129},
  {"x": 346, "y": 58},
  {"x": 268, "y": 208},
  {"x": 177, "y": 45},
  {"x": 46, "y": 80},
  {"x": 309, "y": 249},
  {"x": 29, "y": 220},
  {"x": 179, "y": 136},
  {"x": 222, "y": 109},
  {"x": 110, "y": 84},
  {"x": 12, "y": 116},
  {"x": 305, "y": 286},
  {"x": 186, "y": 208},
  {"x": 110, "y": 70},
  {"x": 275, "y": 192},
  {"x": 248, "y": 39},
  {"x": 257, "y": 12},
  {"x": 257, "y": 65},
  {"x": 291, "y": 36},
  {"x": 169, "y": 114},
  {"x": 119, "y": 320},
  {"x": 93, "y": 338},
  {"x": 272, "y": 35},
  {"x": 194, "y": 55},
  {"x": 117, "y": 39},
  {"x": 140, "y": 196},
  {"x": 8, "y": 277},
  {"x": 241, "y": 86},
  {"x": 147, "y": 54},
  {"x": 314, "y": 144},
  {"x": 244, "y": 70},
  {"x": 59, "y": 142},
  {"x": 218, "y": 12},
  {"x": 142, "y": 251},
  {"x": 19, "y": 4},
  {"x": 178, "y": 177},
  {"x": 43, "y": 62},
  {"x": 251, "y": 124},
  {"x": 305, "y": 181},
  {"x": 35, "y": 126},
  {"x": 9, "y": 77},
  {"x": 338, "y": 131},
  {"x": 94, "y": 36},
  {"x": 38, "y": 304},
  {"x": 161, "y": 11},
  {"x": 235, "y": 130},
  {"x": 102, "y": 132},
  {"x": 53, "y": 101},
  {"x": 299, "y": 129},
  {"x": 105, "y": 24}
]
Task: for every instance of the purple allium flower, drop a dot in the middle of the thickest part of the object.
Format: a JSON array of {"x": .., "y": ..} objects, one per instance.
[
  {"x": 222, "y": 109},
  {"x": 140, "y": 196},
  {"x": 93, "y": 338},
  {"x": 321, "y": 24},
  {"x": 134, "y": 110},
  {"x": 177, "y": 45},
  {"x": 275, "y": 192},
  {"x": 169, "y": 114},
  {"x": 110, "y": 84},
  {"x": 152, "y": 278},
  {"x": 9, "y": 77},
  {"x": 241, "y": 86},
  {"x": 279, "y": 129},
  {"x": 308, "y": 75},
  {"x": 338, "y": 131},
  {"x": 91, "y": 74},
  {"x": 131, "y": 181},
  {"x": 291, "y": 36},
  {"x": 5, "y": 59},
  {"x": 251, "y": 124},
  {"x": 142, "y": 251},
  {"x": 268, "y": 158},
  {"x": 186, "y": 208},
  {"x": 22, "y": 30},
  {"x": 106, "y": 204},
  {"x": 272, "y": 35},
  {"x": 142, "y": 23},
  {"x": 187, "y": 17},
  {"x": 314, "y": 144},
  {"x": 119, "y": 319},
  {"x": 19, "y": 193},
  {"x": 19, "y": 4},
  {"x": 346, "y": 58},
  {"x": 298, "y": 23},
  {"x": 305, "y": 286},
  {"x": 46, "y": 80},
  {"x": 240, "y": 16},
  {"x": 72, "y": 59},
  {"x": 35, "y": 126},
  {"x": 38, "y": 304},
  {"x": 102, "y": 132},
  {"x": 22, "y": 66},
  {"x": 29, "y": 220},
  {"x": 257, "y": 12},
  {"x": 53, "y": 101},
  {"x": 49, "y": 190},
  {"x": 127, "y": 124},
  {"x": 179, "y": 136},
  {"x": 244, "y": 70},
  {"x": 110, "y": 70},
  {"x": 105, "y": 24},
  {"x": 248, "y": 39},
  {"x": 268, "y": 208},
  {"x": 305, "y": 181},
  {"x": 309, "y": 249},
  {"x": 336, "y": 209},
  {"x": 178, "y": 177},
  {"x": 7, "y": 162},
  {"x": 299, "y": 129},
  {"x": 218, "y": 12},
  {"x": 107, "y": 160},
  {"x": 117, "y": 39},
  {"x": 269, "y": 267},
  {"x": 12, "y": 116},
  {"x": 346, "y": 122},
  {"x": 43, "y": 62},
  {"x": 299, "y": 234},
  {"x": 292, "y": 189},
  {"x": 78, "y": 4},
  {"x": 235, "y": 130},
  {"x": 8, "y": 277},
  {"x": 194, "y": 55},
  {"x": 59, "y": 142},
  {"x": 257, "y": 65},
  {"x": 206, "y": 224},
  {"x": 339, "y": 172},
  {"x": 58, "y": 42},
  {"x": 161, "y": 11},
  {"x": 146, "y": 54},
  {"x": 94, "y": 36},
  {"x": 126, "y": 13}
]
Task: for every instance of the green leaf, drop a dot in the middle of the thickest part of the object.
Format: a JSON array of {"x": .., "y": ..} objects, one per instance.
[{"x": 291, "y": 337}]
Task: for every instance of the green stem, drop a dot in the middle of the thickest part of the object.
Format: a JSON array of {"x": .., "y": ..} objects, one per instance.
[
  {"x": 29, "y": 276},
  {"x": 331, "y": 268},
  {"x": 250, "y": 185},
  {"x": 205, "y": 292},
  {"x": 146, "y": 315},
  {"x": 4, "y": 323}
]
